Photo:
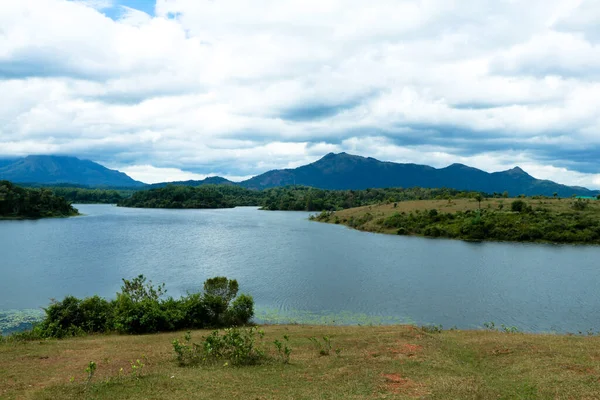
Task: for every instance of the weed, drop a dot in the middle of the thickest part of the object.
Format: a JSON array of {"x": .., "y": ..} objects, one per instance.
[
  {"x": 491, "y": 326},
  {"x": 90, "y": 370},
  {"x": 283, "y": 350},
  {"x": 324, "y": 348}
]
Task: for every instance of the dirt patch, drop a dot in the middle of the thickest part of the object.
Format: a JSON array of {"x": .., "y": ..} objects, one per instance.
[
  {"x": 396, "y": 384},
  {"x": 407, "y": 349},
  {"x": 500, "y": 351},
  {"x": 580, "y": 369}
]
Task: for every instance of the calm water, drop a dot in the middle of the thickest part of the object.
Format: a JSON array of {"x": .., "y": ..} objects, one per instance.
[{"x": 301, "y": 270}]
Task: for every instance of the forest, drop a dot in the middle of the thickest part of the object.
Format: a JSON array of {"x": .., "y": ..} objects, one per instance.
[
  {"x": 289, "y": 198},
  {"x": 20, "y": 203}
]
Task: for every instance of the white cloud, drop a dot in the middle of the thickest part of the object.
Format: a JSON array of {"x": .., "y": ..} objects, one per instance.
[
  {"x": 238, "y": 87},
  {"x": 150, "y": 174}
]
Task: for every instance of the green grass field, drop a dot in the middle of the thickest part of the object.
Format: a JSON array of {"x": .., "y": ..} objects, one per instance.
[{"x": 387, "y": 362}]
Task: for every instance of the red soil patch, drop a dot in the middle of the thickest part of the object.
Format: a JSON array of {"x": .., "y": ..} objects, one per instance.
[
  {"x": 395, "y": 383},
  {"x": 407, "y": 349}
]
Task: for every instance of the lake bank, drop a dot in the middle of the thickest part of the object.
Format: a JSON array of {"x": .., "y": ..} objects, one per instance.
[{"x": 374, "y": 362}]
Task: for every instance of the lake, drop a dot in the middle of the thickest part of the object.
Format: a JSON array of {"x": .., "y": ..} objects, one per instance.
[{"x": 302, "y": 271}]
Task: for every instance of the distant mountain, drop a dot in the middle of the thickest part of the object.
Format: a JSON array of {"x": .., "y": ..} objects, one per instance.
[
  {"x": 6, "y": 161},
  {"x": 346, "y": 171},
  {"x": 211, "y": 180},
  {"x": 61, "y": 169}
]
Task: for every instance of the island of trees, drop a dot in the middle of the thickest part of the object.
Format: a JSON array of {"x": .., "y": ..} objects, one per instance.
[{"x": 20, "y": 203}]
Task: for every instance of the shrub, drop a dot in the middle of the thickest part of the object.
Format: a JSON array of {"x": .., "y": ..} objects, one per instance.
[
  {"x": 241, "y": 311},
  {"x": 518, "y": 206},
  {"x": 237, "y": 346},
  {"x": 140, "y": 308}
]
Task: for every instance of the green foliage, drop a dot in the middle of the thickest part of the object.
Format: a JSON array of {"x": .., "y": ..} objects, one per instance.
[
  {"x": 90, "y": 370},
  {"x": 206, "y": 196},
  {"x": 518, "y": 206},
  {"x": 241, "y": 311},
  {"x": 283, "y": 349},
  {"x": 18, "y": 202},
  {"x": 580, "y": 204},
  {"x": 90, "y": 196},
  {"x": 324, "y": 347},
  {"x": 523, "y": 225},
  {"x": 491, "y": 326},
  {"x": 291, "y": 198},
  {"x": 138, "y": 290},
  {"x": 141, "y": 308},
  {"x": 235, "y": 346}
]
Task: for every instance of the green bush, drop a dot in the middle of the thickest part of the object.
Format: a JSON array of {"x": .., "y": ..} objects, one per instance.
[
  {"x": 241, "y": 311},
  {"x": 140, "y": 307},
  {"x": 518, "y": 206},
  {"x": 237, "y": 346}
]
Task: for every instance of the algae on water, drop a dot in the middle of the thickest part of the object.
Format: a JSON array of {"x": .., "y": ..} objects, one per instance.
[{"x": 18, "y": 320}]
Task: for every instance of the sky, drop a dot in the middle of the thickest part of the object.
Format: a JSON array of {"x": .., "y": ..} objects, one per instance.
[{"x": 184, "y": 89}]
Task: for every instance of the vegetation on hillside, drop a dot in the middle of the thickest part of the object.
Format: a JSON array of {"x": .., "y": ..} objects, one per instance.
[
  {"x": 17, "y": 202},
  {"x": 141, "y": 307},
  {"x": 519, "y": 220},
  {"x": 290, "y": 198},
  {"x": 206, "y": 196},
  {"x": 91, "y": 196}
]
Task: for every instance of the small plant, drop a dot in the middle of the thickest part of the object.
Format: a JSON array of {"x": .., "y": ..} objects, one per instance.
[
  {"x": 509, "y": 329},
  {"x": 324, "y": 348},
  {"x": 137, "y": 367},
  {"x": 490, "y": 326},
  {"x": 90, "y": 370},
  {"x": 283, "y": 350}
]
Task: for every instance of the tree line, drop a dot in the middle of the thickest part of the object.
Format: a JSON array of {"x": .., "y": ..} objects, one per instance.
[{"x": 289, "y": 198}]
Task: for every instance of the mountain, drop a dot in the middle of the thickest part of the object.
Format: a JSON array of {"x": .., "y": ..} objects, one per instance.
[
  {"x": 63, "y": 169},
  {"x": 345, "y": 171},
  {"x": 211, "y": 180}
]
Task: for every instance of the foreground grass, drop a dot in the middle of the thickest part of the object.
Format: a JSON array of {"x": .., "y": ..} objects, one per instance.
[{"x": 375, "y": 362}]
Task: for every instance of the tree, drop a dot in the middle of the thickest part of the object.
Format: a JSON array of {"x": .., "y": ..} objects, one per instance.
[
  {"x": 555, "y": 195},
  {"x": 479, "y": 199},
  {"x": 518, "y": 206}
]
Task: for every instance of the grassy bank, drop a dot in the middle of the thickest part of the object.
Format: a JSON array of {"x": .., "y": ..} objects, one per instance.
[
  {"x": 374, "y": 362},
  {"x": 524, "y": 220}
]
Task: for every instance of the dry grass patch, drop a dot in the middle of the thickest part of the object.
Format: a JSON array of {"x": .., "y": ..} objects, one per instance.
[{"x": 375, "y": 362}]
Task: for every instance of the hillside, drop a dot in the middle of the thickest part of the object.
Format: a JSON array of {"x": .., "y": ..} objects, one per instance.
[
  {"x": 211, "y": 180},
  {"x": 345, "y": 171},
  {"x": 62, "y": 169}
]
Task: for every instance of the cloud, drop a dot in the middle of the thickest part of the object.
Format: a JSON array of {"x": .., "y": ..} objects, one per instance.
[{"x": 178, "y": 87}]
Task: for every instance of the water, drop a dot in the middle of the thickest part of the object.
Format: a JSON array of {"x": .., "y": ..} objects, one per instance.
[{"x": 302, "y": 271}]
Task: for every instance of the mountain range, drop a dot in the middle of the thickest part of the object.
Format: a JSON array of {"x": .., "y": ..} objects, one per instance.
[
  {"x": 334, "y": 171},
  {"x": 51, "y": 170}
]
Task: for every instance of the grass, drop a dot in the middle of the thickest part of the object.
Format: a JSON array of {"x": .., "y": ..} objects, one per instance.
[
  {"x": 383, "y": 211},
  {"x": 374, "y": 363}
]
